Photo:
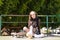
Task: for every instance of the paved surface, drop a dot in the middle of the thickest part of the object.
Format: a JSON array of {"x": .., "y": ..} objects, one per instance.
[{"x": 14, "y": 38}]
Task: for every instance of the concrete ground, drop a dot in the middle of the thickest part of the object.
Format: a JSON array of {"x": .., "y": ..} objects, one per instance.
[{"x": 24, "y": 38}]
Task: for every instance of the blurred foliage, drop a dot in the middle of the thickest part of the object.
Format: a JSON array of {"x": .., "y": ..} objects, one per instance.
[{"x": 23, "y": 7}]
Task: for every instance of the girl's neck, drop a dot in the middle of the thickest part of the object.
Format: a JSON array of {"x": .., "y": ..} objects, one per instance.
[{"x": 33, "y": 19}]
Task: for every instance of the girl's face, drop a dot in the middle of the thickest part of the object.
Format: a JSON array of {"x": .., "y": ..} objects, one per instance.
[{"x": 33, "y": 15}]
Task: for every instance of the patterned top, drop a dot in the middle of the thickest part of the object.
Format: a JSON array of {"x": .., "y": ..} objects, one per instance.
[{"x": 35, "y": 23}]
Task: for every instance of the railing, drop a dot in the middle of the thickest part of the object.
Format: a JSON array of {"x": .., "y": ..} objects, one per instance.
[{"x": 47, "y": 17}]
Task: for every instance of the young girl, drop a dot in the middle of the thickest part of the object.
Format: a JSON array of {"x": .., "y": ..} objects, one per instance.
[{"x": 33, "y": 25}]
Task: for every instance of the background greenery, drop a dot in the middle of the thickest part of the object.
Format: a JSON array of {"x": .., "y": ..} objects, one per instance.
[{"x": 23, "y": 7}]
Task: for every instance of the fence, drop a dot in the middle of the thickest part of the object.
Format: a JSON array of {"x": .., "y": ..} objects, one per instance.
[{"x": 46, "y": 22}]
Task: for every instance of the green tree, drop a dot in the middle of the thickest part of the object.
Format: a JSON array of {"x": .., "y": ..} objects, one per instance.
[{"x": 23, "y": 7}]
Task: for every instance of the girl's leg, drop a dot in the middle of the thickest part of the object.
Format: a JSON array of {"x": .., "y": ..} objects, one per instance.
[
  {"x": 30, "y": 30},
  {"x": 26, "y": 29},
  {"x": 30, "y": 33}
]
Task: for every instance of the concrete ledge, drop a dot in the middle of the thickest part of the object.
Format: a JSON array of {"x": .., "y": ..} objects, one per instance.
[{"x": 24, "y": 38}]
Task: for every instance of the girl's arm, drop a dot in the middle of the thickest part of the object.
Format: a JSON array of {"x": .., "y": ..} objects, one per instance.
[{"x": 29, "y": 23}]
